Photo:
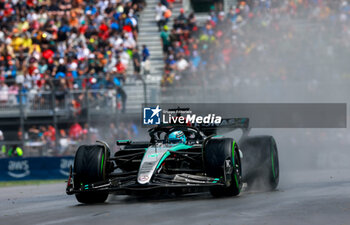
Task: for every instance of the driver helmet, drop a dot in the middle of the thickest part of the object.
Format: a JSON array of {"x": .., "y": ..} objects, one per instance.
[{"x": 177, "y": 137}]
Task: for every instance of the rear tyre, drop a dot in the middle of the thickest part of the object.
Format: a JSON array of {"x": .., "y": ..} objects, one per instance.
[
  {"x": 261, "y": 157},
  {"x": 222, "y": 160},
  {"x": 90, "y": 167}
]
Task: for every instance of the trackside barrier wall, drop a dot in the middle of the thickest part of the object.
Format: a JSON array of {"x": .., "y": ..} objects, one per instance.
[{"x": 35, "y": 168}]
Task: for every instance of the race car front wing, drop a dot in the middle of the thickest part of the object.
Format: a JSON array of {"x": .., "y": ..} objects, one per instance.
[{"x": 126, "y": 183}]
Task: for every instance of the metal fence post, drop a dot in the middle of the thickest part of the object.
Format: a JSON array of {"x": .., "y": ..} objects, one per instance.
[
  {"x": 21, "y": 112},
  {"x": 144, "y": 90},
  {"x": 87, "y": 113},
  {"x": 117, "y": 112},
  {"x": 53, "y": 95}
]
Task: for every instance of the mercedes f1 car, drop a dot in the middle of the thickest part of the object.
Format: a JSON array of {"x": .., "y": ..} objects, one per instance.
[{"x": 201, "y": 161}]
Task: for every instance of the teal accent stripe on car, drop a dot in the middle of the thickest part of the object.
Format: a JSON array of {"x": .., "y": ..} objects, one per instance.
[
  {"x": 180, "y": 147},
  {"x": 217, "y": 136},
  {"x": 175, "y": 148},
  {"x": 162, "y": 159},
  {"x": 216, "y": 180}
]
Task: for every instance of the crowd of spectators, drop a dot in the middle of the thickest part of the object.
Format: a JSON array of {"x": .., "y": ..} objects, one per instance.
[
  {"x": 66, "y": 45},
  {"x": 76, "y": 44},
  {"x": 51, "y": 52},
  {"x": 266, "y": 40}
]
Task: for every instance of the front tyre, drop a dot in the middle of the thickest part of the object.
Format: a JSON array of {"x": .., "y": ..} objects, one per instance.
[
  {"x": 90, "y": 167},
  {"x": 222, "y": 160}
]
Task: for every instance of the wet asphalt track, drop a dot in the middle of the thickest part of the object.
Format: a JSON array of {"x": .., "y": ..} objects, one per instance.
[{"x": 309, "y": 198}]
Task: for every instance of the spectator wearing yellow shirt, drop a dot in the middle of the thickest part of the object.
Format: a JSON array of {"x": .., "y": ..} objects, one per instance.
[
  {"x": 17, "y": 42},
  {"x": 27, "y": 43},
  {"x": 23, "y": 25}
]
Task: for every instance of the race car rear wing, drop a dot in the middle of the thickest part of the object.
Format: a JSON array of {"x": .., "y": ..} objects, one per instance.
[
  {"x": 226, "y": 125},
  {"x": 208, "y": 129}
]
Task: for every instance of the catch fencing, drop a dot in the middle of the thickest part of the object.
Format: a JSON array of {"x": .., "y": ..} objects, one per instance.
[{"x": 19, "y": 110}]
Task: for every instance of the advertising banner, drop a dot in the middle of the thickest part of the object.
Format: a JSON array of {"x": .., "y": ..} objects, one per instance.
[{"x": 35, "y": 168}]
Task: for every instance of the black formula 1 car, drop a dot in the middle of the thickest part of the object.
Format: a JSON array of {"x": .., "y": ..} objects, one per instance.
[{"x": 206, "y": 162}]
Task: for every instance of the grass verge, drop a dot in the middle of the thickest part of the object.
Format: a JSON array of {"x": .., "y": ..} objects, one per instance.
[{"x": 28, "y": 182}]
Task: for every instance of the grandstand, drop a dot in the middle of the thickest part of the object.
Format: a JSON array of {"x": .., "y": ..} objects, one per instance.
[
  {"x": 71, "y": 69},
  {"x": 65, "y": 64}
]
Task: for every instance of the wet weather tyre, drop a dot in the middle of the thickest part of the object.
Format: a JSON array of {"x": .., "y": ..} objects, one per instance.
[
  {"x": 90, "y": 167},
  {"x": 222, "y": 160},
  {"x": 260, "y": 154}
]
